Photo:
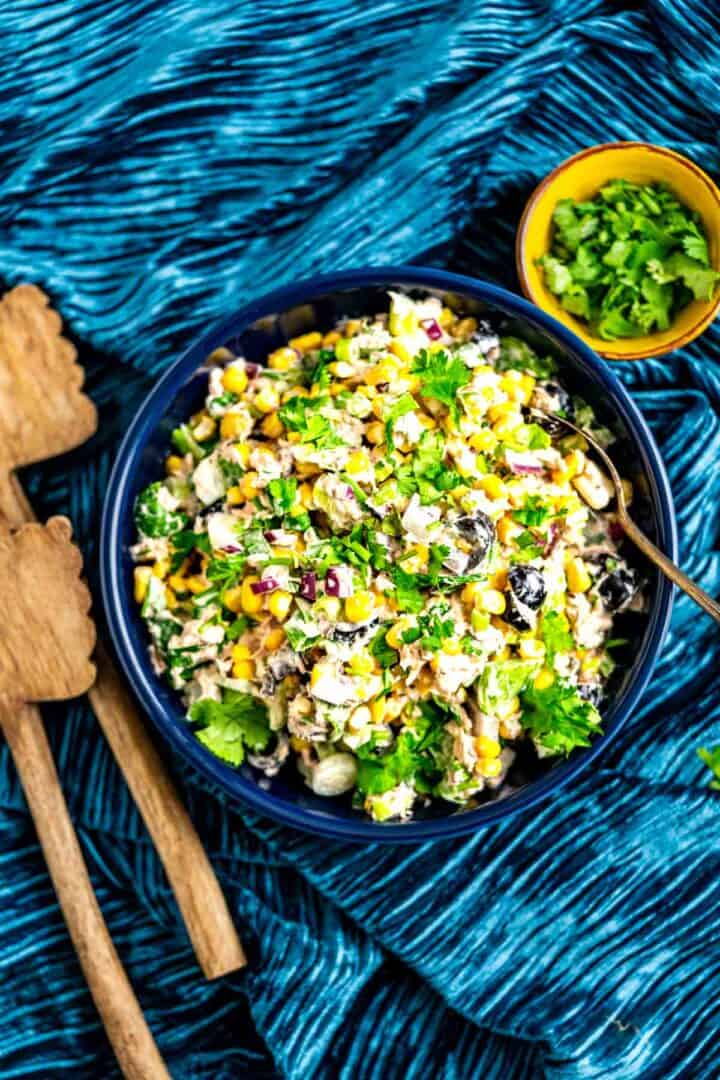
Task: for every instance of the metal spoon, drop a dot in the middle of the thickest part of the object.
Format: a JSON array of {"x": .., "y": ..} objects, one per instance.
[{"x": 633, "y": 533}]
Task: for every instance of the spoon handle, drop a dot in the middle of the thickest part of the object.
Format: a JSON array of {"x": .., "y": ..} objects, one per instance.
[
  {"x": 668, "y": 567},
  {"x": 127, "y": 1029},
  {"x": 190, "y": 873}
]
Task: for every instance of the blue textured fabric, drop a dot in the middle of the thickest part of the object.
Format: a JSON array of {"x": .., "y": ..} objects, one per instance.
[{"x": 165, "y": 161}]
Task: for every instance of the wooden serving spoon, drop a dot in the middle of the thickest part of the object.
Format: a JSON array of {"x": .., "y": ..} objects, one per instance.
[
  {"x": 631, "y": 530},
  {"x": 45, "y": 643}
]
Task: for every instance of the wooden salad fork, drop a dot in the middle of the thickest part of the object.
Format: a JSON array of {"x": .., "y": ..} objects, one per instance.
[
  {"x": 44, "y": 413},
  {"x": 631, "y": 530},
  {"x": 45, "y": 644}
]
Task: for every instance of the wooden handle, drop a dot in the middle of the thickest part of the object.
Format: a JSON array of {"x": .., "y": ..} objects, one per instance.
[
  {"x": 192, "y": 878},
  {"x": 197, "y": 890},
  {"x": 135, "y": 1049}
]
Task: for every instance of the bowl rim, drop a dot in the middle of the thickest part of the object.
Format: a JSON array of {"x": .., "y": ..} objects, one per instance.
[
  {"x": 683, "y": 338},
  {"x": 118, "y": 602}
]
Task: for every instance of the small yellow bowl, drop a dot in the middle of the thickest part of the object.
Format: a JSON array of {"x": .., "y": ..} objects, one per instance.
[{"x": 580, "y": 177}]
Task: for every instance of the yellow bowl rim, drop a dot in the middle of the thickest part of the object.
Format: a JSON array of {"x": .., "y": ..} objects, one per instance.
[{"x": 663, "y": 151}]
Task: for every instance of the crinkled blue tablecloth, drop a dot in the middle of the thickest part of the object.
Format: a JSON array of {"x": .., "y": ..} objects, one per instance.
[{"x": 161, "y": 163}]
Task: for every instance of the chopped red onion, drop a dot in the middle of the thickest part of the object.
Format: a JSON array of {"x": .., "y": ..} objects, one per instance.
[
  {"x": 552, "y": 538},
  {"x": 332, "y": 583},
  {"x": 523, "y": 464},
  {"x": 431, "y": 328},
  {"x": 231, "y": 549},
  {"x": 349, "y": 493},
  {"x": 266, "y": 585},
  {"x": 616, "y": 530},
  {"x": 270, "y": 536},
  {"x": 308, "y": 586},
  {"x": 251, "y": 370}
]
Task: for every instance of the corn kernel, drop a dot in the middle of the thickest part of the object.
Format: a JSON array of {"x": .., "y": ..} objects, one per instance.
[
  {"x": 498, "y": 580},
  {"x": 330, "y": 339},
  {"x": 241, "y": 652},
  {"x": 266, "y": 400},
  {"x": 531, "y": 649},
  {"x": 507, "y": 529},
  {"x": 394, "y": 634},
  {"x": 446, "y": 318},
  {"x": 341, "y": 369},
  {"x": 274, "y": 639},
  {"x": 250, "y": 602},
  {"x": 173, "y": 465},
  {"x": 506, "y": 428},
  {"x": 197, "y": 584},
  {"x": 377, "y": 710},
  {"x": 544, "y": 679},
  {"x": 171, "y": 599},
  {"x": 359, "y": 606},
  {"x": 578, "y": 578},
  {"x": 464, "y": 329},
  {"x": 471, "y": 591},
  {"x": 484, "y": 441},
  {"x": 452, "y": 647},
  {"x": 493, "y": 486},
  {"x": 272, "y": 426},
  {"x": 305, "y": 492},
  {"x": 375, "y": 433},
  {"x": 320, "y": 669},
  {"x": 362, "y": 663},
  {"x": 353, "y": 326},
  {"x": 232, "y": 426},
  {"x": 232, "y": 599},
  {"x": 358, "y": 462},
  {"x": 279, "y": 604},
  {"x": 384, "y": 372},
  {"x": 178, "y": 583},
  {"x": 491, "y": 600},
  {"x": 591, "y": 662},
  {"x": 283, "y": 359},
  {"x": 234, "y": 495},
  {"x": 504, "y": 410},
  {"x": 401, "y": 351},
  {"x": 305, "y": 342},
  {"x": 491, "y": 767},
  {"x": 487, "y": 747},
  {"x": 243, "y": 669},
  {"x": 141, "y": 581},
  {"x": 205, "y": 429},
  {"x": 161, "y": 568},
  {"x": 235, "y": 380},
  {"x": 248, "y": 485}
]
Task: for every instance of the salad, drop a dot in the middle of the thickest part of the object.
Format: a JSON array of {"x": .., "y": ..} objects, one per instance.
[{"x": 369, "y": 558}]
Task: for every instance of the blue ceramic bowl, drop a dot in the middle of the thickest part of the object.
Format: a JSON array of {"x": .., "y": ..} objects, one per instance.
[{"x": 264, "y": 325}]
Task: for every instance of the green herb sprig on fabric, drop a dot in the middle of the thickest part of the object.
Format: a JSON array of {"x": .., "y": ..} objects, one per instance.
[
  {"x": 628, "y": 260},
  {"x": 711, "y": 758}
]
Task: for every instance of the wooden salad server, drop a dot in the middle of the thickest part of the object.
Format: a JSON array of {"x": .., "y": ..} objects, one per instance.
[
  {"x": 46, "y": 639},
  {"x": 44, "y": 413}
]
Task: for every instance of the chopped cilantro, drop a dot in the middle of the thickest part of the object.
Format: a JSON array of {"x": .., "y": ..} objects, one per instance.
[
  {"x": 555, "y": 632},
  {"x": 230, "y": 726},
  {"x": 154, "y": 520},
  {"x": 628, "y": 260},
  {"x": 237, "y": 629},
  {"x": 385, "y": 655},
  {"x": 441, "y": 376},
  {"x": 283, "y": 492},
  {"x": 184, "y": 443},
  {"x": 408, "y": 594},
  {"x": 558, "y": 718},
  {"x": 533, "y": 513},
  {"x": 301, "y": 414}
]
